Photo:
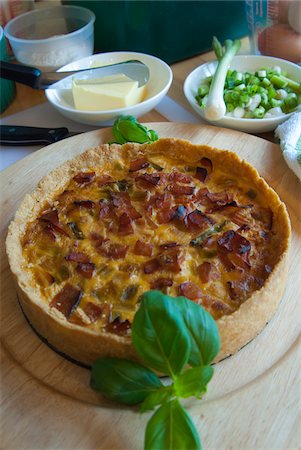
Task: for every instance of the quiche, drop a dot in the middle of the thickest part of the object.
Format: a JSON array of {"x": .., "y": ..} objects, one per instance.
[{"x": 119, "y": 220}]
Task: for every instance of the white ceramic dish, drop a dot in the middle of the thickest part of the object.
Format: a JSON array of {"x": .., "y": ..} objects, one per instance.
[
  {"x": 241, "y": 63},
  {"x": 157, "y": 86}
]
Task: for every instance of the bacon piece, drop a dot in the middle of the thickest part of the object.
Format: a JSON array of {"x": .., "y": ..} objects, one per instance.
[
  {"x": 87, "y": 204},
  {"x": 53, "y": 225},
  {"x": 170, "y": 260},
  {"x": 94, "y": 311},
  {"x": 50, "y": 217},
  {"x": 180, "y": 177},
  {"x": 96, "y": 237},
  {"x": 125, "y": 225},
  {"x": 190, "y": 290},
  {"x": 44, "y": 278},
  {"x": 240, "y": 261},
  {"x": 220, "y": 198},
  {"x": 59, "y": 229},
  {"x": 151, "y": 266},
  {"x": 239, "y": 289},
  {"x": 122, "y": 201},
  {"x": 224, "y": 258},
  {"x": 51, "y": 229},
  {"x": 197, "y": 220},
  {"x": 265, "y": 215},
  {"x": 166, "y": 215},
  {"x": 231, "y": 241},
  {"x": 105, "y": 179},
  {"x": 163, "y": 177},
  {"x": 84, "y": 177},
  {"x": 168, "y": 245},
  {"x": 207, "y": 163},
  {"x": 217, "y": 307},
  {"x": 77, "y": 257},
  {"x": 112, "y": 250},
  {"x": 133, "y": 213},
  {"x": 148, "y": 180},
  {"x": 179, "y": 189},
  {"x": 204, "y": 271},
  {"x": 238, "y": 217},
  {"x": 138, "y": 164},
  {"x": 143, "y": 248},
  {"x": 202, "y": 196},
  {"x": 118, "y": 326},
  {"x": 48, "y": 230},
  {"x": 161, "y": 200},
  {"x": 150, "y": 223},
  {"x": 67, "y": 300},
  {"x": 217, "y": 207},
  {"x": 201, "y": 174},
  {"x": 160, "y": 283},
  {"x": 86, "y": 269},
  {"x": 106, "y": 209}
]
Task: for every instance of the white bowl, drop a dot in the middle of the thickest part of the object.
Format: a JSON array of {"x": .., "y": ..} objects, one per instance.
[
  {"x": 157, "y": 86},
  {"x": 241, "y": 63}
]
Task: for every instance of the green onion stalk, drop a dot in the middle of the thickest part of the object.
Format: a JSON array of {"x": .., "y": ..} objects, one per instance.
[{"x": 215, "y": 106}]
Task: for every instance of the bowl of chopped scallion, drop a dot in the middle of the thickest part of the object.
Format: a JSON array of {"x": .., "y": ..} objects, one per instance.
[{"x": 259, "y": 92}]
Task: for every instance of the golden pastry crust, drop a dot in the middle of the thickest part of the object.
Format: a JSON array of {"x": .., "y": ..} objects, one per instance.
[{"x": 86, "y": 344}]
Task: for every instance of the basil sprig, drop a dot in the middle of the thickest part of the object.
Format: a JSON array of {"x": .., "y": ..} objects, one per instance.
[
  {"x": 128, "y": 129},
  {"x": 175, "y": 337}
]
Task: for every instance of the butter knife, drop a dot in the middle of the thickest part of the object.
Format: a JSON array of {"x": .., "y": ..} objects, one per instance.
[
  {"x": 23, "y": 135},
  {"x": 35, "y": 78}
]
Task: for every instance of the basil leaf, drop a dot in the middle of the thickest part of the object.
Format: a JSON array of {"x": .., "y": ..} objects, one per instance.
[
  {"x": 157, "y": 397},
  {"x": 171, "y": 428},
  {"x": 123, "y": 381},
  {"x": 205, "y": 341},
  {"x": 159, "y": 333},
  {"x": 193, "y": 381},
  {"x": 128, "y": 129}
]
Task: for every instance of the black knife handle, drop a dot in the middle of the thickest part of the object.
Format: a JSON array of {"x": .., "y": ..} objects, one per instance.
[
  {"x": 21, "y": 74},
  {"x": 23, "y": 135}
]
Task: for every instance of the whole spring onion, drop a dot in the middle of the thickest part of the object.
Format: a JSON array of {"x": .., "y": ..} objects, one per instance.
[{"x": 215, "y": 108}]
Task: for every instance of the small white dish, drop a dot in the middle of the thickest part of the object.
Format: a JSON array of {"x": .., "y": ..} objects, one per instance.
[
  {"x": 241, "y": 63},
  {"x": 157, "y": 86}
]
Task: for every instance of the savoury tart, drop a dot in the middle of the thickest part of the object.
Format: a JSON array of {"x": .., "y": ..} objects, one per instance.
[{"x": 119, "y": 220}]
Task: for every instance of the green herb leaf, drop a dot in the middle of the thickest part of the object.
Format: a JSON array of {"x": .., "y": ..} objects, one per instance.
[
  {"x": 128, "y": 129},
  {"x": 123, "y": 381},
  {"x": 157, "y": 397},
  {"x": 204, "y": 336},
  {"x": 193, "y": 381},
  {"x": 171, "y": 428},
  {"x": 159, "y": 334}
]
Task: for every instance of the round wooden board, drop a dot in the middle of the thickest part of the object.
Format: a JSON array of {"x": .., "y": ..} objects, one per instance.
[{"x": 252, "y": 399}]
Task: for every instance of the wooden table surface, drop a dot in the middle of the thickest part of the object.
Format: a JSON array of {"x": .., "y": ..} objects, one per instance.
[{"x": 257, "y": 409}]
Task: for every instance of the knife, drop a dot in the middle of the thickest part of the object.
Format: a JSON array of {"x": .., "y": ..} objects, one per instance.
[
  {"x": 35, "y": 78},
  {"x": 23, "y": 135}
]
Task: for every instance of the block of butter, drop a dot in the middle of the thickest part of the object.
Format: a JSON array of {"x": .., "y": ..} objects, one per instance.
[{"x": 112, "y": 92}]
